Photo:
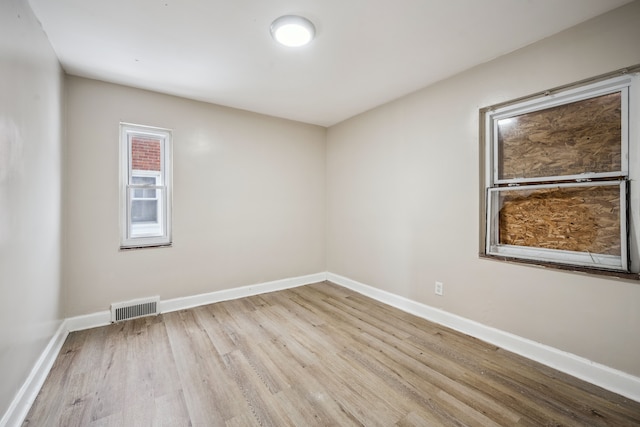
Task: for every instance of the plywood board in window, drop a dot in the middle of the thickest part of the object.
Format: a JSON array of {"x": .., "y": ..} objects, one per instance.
[
  {"x": 571, "y": 139},
  {"x": 583, "y": 219}
]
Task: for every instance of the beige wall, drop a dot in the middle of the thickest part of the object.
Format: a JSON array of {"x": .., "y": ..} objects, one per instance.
[
  {"x": 248, "y": 198},
  {"x": 30, "y": 195},
  {"x": 403, "y": 197},
  {"x": 394, "y": 192}
]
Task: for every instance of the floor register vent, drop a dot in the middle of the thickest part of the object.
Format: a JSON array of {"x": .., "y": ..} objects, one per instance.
[{"x": 134, "y": 308}]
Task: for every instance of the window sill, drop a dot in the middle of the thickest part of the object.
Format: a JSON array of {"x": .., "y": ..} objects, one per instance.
[
  {"x": 564, "y": 267},
  {"x": 159, "y": 246}
]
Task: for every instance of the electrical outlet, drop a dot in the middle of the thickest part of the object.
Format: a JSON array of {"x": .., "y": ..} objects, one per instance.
[{"x": 439, "y": 288}]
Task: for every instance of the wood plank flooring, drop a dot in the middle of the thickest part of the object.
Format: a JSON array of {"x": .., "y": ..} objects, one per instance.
[{"x": 317, "y": 355}]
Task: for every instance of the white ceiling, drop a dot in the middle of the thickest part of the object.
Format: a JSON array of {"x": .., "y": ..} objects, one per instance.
[{"x": 366, "y": 52}]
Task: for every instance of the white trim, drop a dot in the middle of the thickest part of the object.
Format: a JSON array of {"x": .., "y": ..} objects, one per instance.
[
  {"x": 595, "y": 373},
  {"x": 88, "y": 321},
  {"x": 103, "y": 318},
  {"x": 562, "y": 97},
  {"x": 241, "y": 292},
  {"x": 581, "y": 177},
  {"x": 24, "y": 398},
  {"x": 559, "y": 256}
]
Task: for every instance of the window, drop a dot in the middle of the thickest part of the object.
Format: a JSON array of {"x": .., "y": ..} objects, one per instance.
[
  {"x": 145, "y": 193},
  {"x": 557, "y": 177}
]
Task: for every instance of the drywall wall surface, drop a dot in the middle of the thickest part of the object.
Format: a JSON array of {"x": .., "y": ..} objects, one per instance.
[
  {"x": 248, "y": 198},
  {"x": 403, "y": 185},
  {"x": 31, "y": 107}
]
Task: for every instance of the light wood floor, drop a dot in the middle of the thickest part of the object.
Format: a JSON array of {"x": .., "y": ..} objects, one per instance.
[{"x": 314, "y": 355}]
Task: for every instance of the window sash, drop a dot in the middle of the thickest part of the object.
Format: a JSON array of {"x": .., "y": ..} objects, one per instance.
[
  {"x": 620, "y": 84},
  {"x": 157, "y": 229},
  {"x": 587, "y": 259}
]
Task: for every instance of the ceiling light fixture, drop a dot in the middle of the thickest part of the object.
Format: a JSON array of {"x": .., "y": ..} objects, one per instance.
[{"x": 292, "y": 30}]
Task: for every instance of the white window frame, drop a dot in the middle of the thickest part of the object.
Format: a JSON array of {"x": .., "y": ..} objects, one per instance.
[
  {"x": 627, "y": 85},
  {"x": 149, "y": 235}
]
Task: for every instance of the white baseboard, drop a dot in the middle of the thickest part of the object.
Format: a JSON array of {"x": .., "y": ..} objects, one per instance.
[
  {"x": 241, "y": 292},
  {"x": 103, "y": 318},
  {"x": 19, "y": 408},
  {"x": 608, "y": 378},
  {"x": 88, "y": 321}
]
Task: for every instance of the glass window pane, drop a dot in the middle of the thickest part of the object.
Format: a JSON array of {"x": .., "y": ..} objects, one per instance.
[
  {"x": 146, "y": 216},
  {"x": 144, "y": 211},
  {"x": 143, "y": 193},
  {"x": 144, "y": 180},
  {"x": 145, "y": 153},
  {"x": 148, "y": 194},
  {"x": 571, "y": 139}
]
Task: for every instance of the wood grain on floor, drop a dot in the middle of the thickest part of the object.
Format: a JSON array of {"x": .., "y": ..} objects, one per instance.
[{"x": 317, "y": 355}]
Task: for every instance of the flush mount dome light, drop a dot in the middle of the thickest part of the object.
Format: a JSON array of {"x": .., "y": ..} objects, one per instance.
[{"x": 292, "y": 30}]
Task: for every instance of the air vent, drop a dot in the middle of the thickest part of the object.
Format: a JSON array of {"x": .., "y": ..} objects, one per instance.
[{"x": 134, "y": 308}]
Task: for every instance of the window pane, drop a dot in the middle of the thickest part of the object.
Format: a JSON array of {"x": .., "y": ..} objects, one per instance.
[
  {"x": 144, "y": 211},
  {"x": 583, "y": 219},
  {"x": 143, "y": 193},
  {"x": 146, "y": 216},
  {"x": 145, "y": 153},
  {"x": 571, "y": 139},
  {"x": 143, "y": 180},
  {"x": 149, "y": 194}
]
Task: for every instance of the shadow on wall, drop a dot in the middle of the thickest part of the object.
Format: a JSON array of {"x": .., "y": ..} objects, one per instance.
[{"x": 10, "y": 164}]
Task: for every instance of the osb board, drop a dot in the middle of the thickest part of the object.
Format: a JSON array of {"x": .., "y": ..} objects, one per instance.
[
  {"x": 583, "y": 136},
  {"x": 584, "y": 219}
]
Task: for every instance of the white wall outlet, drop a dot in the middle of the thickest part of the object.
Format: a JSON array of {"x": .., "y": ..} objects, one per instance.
[{"x": 439, "y": 288}]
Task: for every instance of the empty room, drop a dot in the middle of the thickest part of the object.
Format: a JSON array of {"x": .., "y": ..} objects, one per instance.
[{"x": 319, "y": 213}]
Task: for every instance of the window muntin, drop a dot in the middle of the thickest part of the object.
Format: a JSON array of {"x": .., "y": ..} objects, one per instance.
[
  {"x": 558, "y": 177},
  {"x": 145, "y": 186}
]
